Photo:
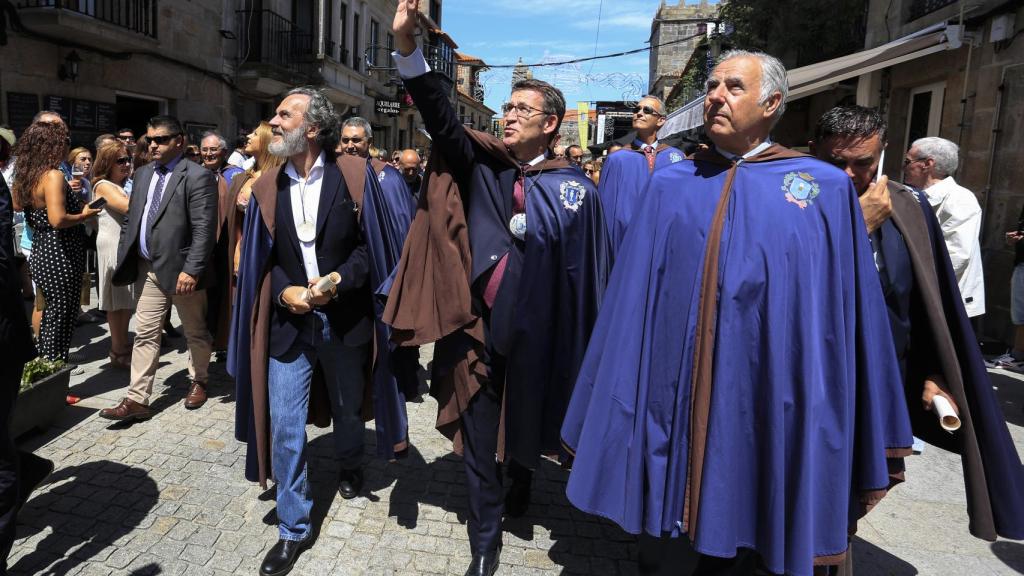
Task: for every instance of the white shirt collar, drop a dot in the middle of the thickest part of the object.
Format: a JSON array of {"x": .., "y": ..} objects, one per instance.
[
  {"x": 538, "y": 159},
  {"x": 757, "y": 150},
  {"x": 937, "y": 193},
  {"x": 314, "y": 173}
]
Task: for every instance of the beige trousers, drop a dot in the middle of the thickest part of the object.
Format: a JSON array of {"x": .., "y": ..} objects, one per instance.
[{"x": 150, "y": 309}]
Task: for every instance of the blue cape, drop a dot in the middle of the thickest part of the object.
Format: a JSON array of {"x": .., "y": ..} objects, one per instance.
[
  {"x": 623, "y": 177},
  {"x": 805, "y": 397},
  {"x": 388, "y": 210},
  {"x": 563, "y": 267}
]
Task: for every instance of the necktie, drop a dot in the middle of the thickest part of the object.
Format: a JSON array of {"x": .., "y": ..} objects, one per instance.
[
  {"x": 518, "y": 207},
  {"x": 158, "y": 193},
  {"x": 649, "y": 153}
]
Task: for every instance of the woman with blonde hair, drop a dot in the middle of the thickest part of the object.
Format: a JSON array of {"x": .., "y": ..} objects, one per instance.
[{"x": 110, "y": 172}]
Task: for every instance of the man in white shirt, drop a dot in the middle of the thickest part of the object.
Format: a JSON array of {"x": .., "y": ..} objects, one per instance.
[{"x": 929, "y": 166}]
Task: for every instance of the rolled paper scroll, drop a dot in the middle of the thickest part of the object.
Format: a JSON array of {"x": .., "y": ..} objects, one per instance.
[
  {"x": 948, "y": 418},
  {"x": 324, "y": 284}
]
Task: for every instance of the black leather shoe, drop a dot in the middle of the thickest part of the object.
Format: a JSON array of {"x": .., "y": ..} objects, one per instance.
[
  {"x": 350, "y": 483},
  {"x": 282, "y": 556},
  {"x": 517, "y": 501},
  {"x": 484, "y": 564}
]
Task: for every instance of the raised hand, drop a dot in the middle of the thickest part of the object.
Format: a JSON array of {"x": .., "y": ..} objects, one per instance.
[
  {"x": 876, "y": 204},
  {"x": 404, "y": 27}
]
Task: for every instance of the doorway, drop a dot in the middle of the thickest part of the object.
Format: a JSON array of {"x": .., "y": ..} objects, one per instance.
[{"x": 135, "y": 112}]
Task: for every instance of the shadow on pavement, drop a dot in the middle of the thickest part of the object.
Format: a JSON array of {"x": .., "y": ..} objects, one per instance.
[
  {"x": 870, "y": 559},
  {"x": 1010, "y": 393},
  {"x": 88, "y": 507},
  {"x": 1010, "y": 553}
]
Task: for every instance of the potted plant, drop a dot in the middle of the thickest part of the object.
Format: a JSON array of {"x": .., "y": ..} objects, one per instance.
[{"x": 42, "y": 396}]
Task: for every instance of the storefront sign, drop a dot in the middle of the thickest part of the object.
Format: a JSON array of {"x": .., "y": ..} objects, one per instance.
[{"x": 389, "y": 107}]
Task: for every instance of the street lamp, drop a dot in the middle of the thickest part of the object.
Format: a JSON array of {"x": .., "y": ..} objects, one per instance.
[{"x": 69, "y": 69}]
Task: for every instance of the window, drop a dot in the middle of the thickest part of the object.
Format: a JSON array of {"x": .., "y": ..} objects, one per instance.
[
  {"x": 329, "y": 31},
  {"x": 343, "y": 41},
  {"x": 391, "y": 43},
  {"x": 924, "y": 115},
  {"x": 435, "y": 12},
  {"x": 374, "y": 42},
  {"x": 357, "y": 54}
]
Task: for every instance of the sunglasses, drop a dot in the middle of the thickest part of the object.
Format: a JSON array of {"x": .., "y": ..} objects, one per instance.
[
  {"x": 352, "y": 140},
  {"x": 192, "y": 154},
  {"x": 124, "y": 160},
  {"x": 126, "y": 138},
  {"x": 161, "y": 140},
  {"x": 646, "y": 110}
]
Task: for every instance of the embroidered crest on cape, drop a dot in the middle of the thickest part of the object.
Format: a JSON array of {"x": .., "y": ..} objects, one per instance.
[
  {"x": 380, "y": 177},
  {"x": 800, "y": 189},
  {"x": 675, "y": 157},
  {"x": 572, "y": 193}
]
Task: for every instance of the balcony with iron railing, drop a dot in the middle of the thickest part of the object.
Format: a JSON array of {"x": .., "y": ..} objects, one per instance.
[
  {"x": 270, "y": 43},
  {"x": 108, "y": 24},
  {"x": 919, "y": 8}
]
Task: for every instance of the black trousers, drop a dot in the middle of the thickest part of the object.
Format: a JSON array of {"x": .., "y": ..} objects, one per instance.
[
  {"x": 484, "y": 484},
  {"x": 10, "y": 378}
]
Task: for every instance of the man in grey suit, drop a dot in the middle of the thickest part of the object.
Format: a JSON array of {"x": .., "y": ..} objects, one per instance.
[{"x": 166, "y": 243}]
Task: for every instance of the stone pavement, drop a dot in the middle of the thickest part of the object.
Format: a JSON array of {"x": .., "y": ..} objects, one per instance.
[{"x": 168, "y": 496}]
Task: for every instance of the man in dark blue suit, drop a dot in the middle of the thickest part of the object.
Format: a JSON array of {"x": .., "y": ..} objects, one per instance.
[
  {"x": 514, "y": 247},
  {"x": 317, "y": 235}
]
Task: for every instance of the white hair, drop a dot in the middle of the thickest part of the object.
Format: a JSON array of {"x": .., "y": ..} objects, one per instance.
[
  {"x": 773, "y": 77},
  {"x": 945, "y": 154},
  {"x": 220, "y": 139}
]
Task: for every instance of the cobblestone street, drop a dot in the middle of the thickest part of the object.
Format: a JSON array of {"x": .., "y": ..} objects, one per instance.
[{"x": 168, "y": 496}]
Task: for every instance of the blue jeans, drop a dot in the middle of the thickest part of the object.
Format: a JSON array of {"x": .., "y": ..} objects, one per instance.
[{"x": 289, "y": 381}]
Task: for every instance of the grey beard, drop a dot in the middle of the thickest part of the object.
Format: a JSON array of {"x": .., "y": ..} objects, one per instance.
[{"x": 292, "y": 142}]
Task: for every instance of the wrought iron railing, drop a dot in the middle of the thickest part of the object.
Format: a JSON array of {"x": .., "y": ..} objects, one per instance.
[
  {"x": 919, "y": 8},
  {"x": 266, "y": 37},
  {"x": 136, "y": 15}
]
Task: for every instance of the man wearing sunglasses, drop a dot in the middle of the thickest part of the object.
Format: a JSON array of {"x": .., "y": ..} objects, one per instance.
[
  {"x": 166, "y": 243},
  {"x": 518, "y": 261},
  {"x": 624, "y": 176},
  {"x": 929, "y": 166}
]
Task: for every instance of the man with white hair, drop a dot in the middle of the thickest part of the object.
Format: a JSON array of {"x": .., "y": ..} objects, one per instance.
[
  {"x": 740, "y": 393},
  {"x": 929, "y": 166}
]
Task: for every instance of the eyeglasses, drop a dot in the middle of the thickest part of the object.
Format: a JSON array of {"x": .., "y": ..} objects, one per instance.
[
  {"x": 909, "y": 161},
  {"x": 161, "y": 140},
  {"x": 522, "y": 110},
  {"x": 124, "y": 160},
  {"x": 646, "y": 110},
  {"x": 210, "y": 150},
  {"x": 352, "y": 140}
]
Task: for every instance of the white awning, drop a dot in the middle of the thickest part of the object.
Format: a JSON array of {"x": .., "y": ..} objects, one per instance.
[{"x": 808, "y": 80}]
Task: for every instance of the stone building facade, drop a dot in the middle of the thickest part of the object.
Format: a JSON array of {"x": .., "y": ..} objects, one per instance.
[
  {"x": 972, "y": 95},
  {"x": 104, "y": 68},
  {"x": 675, "y": 33}
]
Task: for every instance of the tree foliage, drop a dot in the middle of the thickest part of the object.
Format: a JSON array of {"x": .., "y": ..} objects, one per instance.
[{"x": 799, "y": 32}]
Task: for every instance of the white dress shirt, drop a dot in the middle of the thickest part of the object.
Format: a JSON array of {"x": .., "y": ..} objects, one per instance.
[
  {"x": 959, "y": 215},
  {"x": 412, "y": 65},
  {"x": 306, "y": 191}
]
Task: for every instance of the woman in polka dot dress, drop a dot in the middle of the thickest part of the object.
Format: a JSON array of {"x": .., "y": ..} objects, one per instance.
[{"x": 56, "y": 215}]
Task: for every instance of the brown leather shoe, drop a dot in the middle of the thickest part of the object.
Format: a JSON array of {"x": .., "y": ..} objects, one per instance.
[
  {"x": 196, "y": 395},
  {"x": 128, "y": 409}
]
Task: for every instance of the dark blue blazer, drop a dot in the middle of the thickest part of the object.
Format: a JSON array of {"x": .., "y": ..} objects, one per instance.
[
  {"x": 15, "y": 333},
  {"x": 340, "y": 247},
  {"x": 489, "y": 181}
]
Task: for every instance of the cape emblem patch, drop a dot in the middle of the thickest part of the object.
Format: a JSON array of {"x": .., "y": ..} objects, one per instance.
[
  {"x": 380, "y": 177},
  {"x": 675, "y": 157},
  {"x": 800, "y": 189},
  {"x": 572, "y": 193}
]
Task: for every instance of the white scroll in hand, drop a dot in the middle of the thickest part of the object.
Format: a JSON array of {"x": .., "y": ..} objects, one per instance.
[
  {"x": 948, "y": 418},
  {"x": 324, "y": 284}
]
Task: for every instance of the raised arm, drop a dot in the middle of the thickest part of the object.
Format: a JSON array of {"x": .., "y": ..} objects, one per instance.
[{"x": 448, "y": 134}]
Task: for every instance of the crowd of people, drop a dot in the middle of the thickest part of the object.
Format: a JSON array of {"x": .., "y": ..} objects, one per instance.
[{"x": 733, "y": 347}]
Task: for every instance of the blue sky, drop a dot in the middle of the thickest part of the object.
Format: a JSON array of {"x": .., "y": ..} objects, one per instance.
[{"x": 502, "y": 31}]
